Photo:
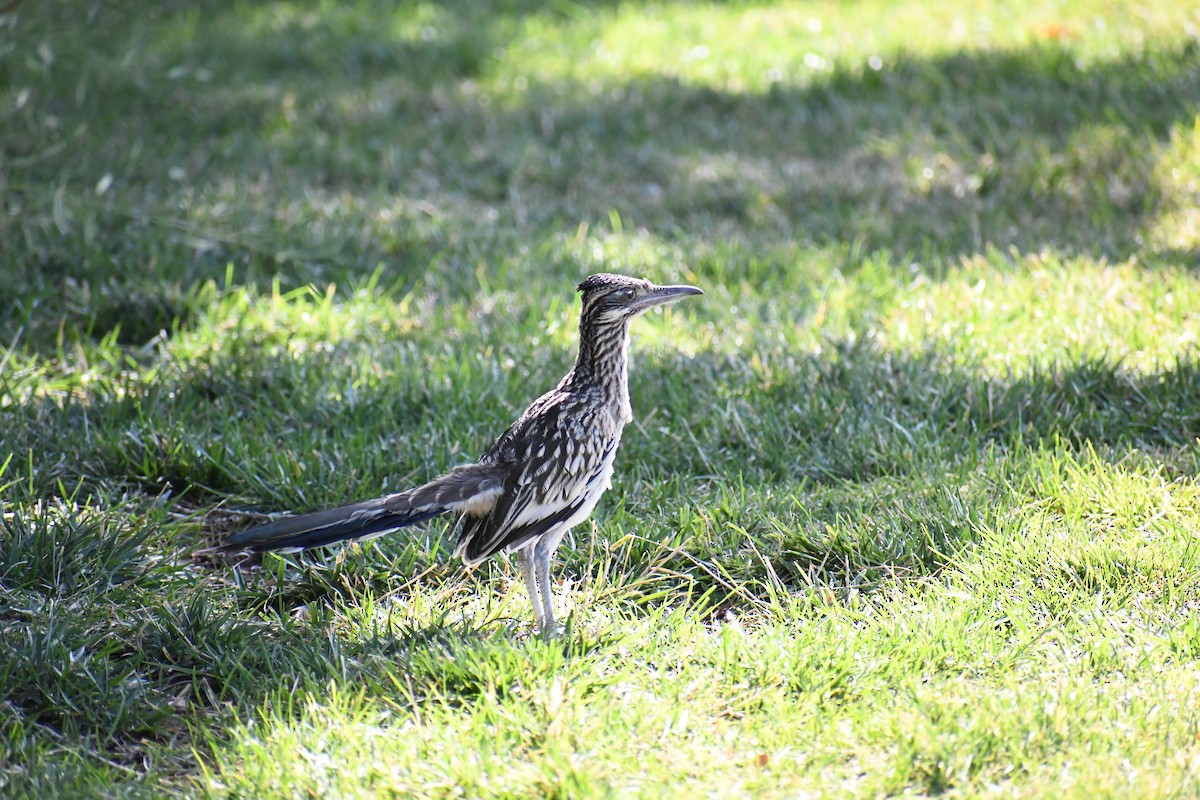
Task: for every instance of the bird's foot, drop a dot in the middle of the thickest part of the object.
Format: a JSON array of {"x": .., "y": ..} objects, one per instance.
[
  {"x": 549, "y": 628},
  {"x": 552, "y": 631}
]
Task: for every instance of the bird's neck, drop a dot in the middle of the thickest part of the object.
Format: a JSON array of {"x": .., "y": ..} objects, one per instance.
[{"x": 603, "y": 364}]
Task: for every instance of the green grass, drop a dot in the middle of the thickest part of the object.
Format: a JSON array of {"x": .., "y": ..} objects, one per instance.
[{"x": 911, "y": 503}]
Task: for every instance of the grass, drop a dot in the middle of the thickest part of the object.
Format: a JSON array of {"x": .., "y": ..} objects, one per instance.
[{"x": 910, "y": 505}]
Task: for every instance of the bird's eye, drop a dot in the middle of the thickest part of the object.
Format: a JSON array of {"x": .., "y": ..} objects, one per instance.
[{"x": 628, "y": 293}]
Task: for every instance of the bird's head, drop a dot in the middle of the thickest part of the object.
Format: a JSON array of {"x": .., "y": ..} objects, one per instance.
[{"x": 609, "y": 298}]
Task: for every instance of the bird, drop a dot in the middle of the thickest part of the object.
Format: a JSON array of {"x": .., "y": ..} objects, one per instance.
[{"x": 543, "y": 476}]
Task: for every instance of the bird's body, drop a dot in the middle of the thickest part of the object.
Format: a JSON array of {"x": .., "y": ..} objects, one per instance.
[{"x": 543, "y": 476}]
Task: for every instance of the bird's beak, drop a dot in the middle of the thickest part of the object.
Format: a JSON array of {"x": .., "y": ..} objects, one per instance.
[{"x": 661, "y": 295}]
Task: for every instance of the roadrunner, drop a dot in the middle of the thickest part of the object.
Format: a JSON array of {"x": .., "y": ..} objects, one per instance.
[{"x": 543, "y": 476}]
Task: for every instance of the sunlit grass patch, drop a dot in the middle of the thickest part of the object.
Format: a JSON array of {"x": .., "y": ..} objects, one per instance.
[{"x": 1005, "y": 316}]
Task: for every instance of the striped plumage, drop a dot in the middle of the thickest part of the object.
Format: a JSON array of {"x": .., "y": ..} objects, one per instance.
[{"x": 543, "y": 476}]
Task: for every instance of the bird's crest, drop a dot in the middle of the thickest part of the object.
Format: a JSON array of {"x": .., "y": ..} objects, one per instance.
[{"x": 607, "y": 280}]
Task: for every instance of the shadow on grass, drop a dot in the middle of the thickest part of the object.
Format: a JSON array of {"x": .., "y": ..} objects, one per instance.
[
  {"x": 316, "y": 146},
  {"x": 831, "y": 447}
]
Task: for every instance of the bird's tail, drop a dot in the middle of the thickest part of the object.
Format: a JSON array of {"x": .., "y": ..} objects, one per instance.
[{"x": 469, "y": 489}]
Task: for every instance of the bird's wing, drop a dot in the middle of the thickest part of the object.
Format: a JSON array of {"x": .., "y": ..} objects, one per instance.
[
  {"x": 467, "y": 489},
  {"x": 557, "y": 458}
]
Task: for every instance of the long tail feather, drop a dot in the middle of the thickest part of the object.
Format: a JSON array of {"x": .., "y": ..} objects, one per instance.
[
  {"x": 468, "y": 489},
  {"x": 321, "y": 528}
]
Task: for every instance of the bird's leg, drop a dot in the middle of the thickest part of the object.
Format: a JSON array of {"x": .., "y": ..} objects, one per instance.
[
  {"x": 541, "y": 558},
  {"x": 526, "y": 557}
]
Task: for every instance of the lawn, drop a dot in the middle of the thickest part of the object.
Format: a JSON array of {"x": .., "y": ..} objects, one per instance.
[{"x": 911, "y": 502}]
